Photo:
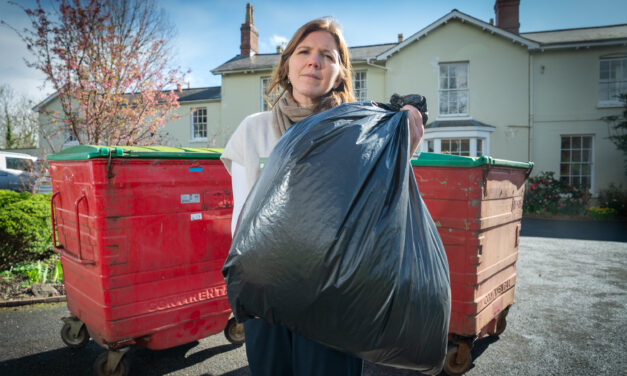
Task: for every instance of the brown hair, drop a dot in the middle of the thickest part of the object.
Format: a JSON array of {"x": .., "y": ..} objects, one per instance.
[{"x": 342, "y": 93}]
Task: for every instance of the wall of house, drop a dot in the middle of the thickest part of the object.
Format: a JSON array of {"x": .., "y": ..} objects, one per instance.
[
  {"x": 179, "y": 132},
  {"x": 498, "y": 80},
  {"x": 51, "y": 135},
  {"x": 565, "y": 102},
  {"x": 375, "y": 82},
  {"x": 241, "y": 96}
]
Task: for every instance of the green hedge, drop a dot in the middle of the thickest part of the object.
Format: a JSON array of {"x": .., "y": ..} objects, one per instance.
[{"x": 25, "y": 228}]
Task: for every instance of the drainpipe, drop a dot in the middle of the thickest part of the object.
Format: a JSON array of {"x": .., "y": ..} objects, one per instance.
[{"x": 531, "y": 115}]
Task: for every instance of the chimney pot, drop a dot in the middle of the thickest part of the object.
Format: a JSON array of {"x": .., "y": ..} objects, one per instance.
[
  {"x": 250, "y": 36},
  {"x": 279, "y": 49},
  {"x": 492, "y": 21},
  {"x": 400, "y": 37},
  {"x": 506, "y": 12}
]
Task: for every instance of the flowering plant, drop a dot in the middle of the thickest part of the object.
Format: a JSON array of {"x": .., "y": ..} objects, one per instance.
[
  {"x": 601, "y": 213},
  {"x": 547, "y": 195},
  {"x": 615, "y": 197}
]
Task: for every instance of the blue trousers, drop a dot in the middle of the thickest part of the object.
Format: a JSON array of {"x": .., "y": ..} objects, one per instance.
[{"x": 273, "y": 350}]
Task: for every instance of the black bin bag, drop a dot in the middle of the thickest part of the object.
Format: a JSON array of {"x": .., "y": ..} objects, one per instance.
[{"x": 335, "y": 242}]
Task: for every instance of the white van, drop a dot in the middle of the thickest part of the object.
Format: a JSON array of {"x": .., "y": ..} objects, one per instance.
[{"x": 22, "y": 172}]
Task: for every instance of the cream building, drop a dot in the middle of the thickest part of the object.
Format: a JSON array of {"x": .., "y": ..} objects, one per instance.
[{"x": 491, "y": 90}]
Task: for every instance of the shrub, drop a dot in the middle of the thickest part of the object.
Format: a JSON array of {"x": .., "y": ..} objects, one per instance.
[
  {"x": 9, "y": 197},
  {"x": 546, "y": 195},
  {"x": 614, "y": 197},
  {"x": 25, "y": 229}
]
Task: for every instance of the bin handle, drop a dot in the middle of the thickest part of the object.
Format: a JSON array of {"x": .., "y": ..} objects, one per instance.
[
  {"x": 54, "y": 223},
  {"x": 80, "y": 258}
]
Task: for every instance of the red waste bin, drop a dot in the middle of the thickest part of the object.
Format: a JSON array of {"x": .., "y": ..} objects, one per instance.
[
  {"x": 143, "y": 233},
  {"x": 476, "y": 204}
]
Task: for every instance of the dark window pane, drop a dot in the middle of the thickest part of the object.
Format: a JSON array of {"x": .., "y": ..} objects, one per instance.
[
  {"x": 585, "y": 181},
  {"x": 565, "y": 143},
  {"x": 466, "y": 145},
  {"x": 454, "y": 146},
  {"x": 585, "y": 155},
  {"x": 576, "y": 142},
  {"x": 605, "y": 70},
  {"x": 445, "y": 147},
  {"x": 585, "y": 169},
  {"x": 564, "y": 169},
  {"x": 575, "y": 169},
  {"x": 576, "y": 155},
  {"x": 444, "y": 102},
  {"x": 587, "y": 142},
  {"x": 565, "y": 157}
]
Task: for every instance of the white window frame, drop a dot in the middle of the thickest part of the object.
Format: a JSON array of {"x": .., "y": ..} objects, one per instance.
[
  {"x": 591, "y": 188},
  {"x": 363, "y": 90},
  {"x": 619, "y": 81},
  {"x": 436, "y": 135},
  {"x": 192, "y": 116},
  {"x": 467, "y": 89},
  {"x": 264, "y": 81}
]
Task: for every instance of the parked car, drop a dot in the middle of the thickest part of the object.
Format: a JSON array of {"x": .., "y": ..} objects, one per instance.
[{"x": 23, "y": 172}]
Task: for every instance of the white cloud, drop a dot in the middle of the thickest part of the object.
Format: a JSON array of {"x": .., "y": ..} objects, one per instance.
[{"x": 277, "y": 40}]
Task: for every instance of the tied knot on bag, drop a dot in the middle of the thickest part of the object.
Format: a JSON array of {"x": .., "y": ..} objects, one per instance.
[{"x": 416, "y": 100}]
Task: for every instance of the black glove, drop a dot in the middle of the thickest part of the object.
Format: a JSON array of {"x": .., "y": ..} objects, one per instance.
[{"x": 416, "y": 100}]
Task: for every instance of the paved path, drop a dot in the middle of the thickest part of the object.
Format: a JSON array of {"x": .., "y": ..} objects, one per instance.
[{"x": 569, "y": 318}]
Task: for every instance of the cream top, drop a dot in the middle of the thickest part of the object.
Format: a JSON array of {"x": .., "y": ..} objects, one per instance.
[{"x": 251, "y": 143}]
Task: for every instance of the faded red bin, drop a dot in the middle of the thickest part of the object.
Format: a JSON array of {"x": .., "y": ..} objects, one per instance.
[
  {"x": 143, "y": 233},
  {"x": 476, "y": 204}
]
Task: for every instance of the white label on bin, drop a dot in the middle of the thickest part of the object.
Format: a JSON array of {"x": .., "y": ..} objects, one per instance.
[
  {"x": 196, "y": 216},
  {"x": 190, "y": 199}
]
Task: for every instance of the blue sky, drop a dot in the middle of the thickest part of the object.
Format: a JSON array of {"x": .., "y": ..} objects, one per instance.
[{"x": 208, "y": 30}]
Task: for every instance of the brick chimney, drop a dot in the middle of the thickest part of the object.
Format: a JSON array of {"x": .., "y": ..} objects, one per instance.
[
  {"x": 507, "y": 15},
  {"x": 250, "y": 35}
]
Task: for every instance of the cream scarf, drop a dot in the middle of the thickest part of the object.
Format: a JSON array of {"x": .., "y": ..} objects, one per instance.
[{"x": 287, "y": 111}]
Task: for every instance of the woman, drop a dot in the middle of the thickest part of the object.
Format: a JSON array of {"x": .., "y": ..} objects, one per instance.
[{"x": 314, "y": 75}]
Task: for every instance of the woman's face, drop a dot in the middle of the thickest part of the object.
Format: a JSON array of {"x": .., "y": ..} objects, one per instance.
[{"x": 314, "y": 68}]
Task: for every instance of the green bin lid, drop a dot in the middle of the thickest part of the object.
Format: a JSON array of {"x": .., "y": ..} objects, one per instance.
[
  {"x": 446, "y": 160},
  {"x": 82, "y": 152}
]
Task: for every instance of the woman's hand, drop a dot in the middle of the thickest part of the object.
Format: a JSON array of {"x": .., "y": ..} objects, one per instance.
[{"x": 416, "y": 128}]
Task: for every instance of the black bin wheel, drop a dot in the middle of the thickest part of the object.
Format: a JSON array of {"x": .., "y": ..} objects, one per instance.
[
  {"x": 234, "y": 332},
  {"x": 75, "y": 342},
  {"x": 501, "y": 323},
  {"x": 100, "y": 366},
  {"x": 451, "y": 365}
]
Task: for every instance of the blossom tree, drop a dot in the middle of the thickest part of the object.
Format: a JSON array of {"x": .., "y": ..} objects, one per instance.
[{"x": 108, "y": 62}]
